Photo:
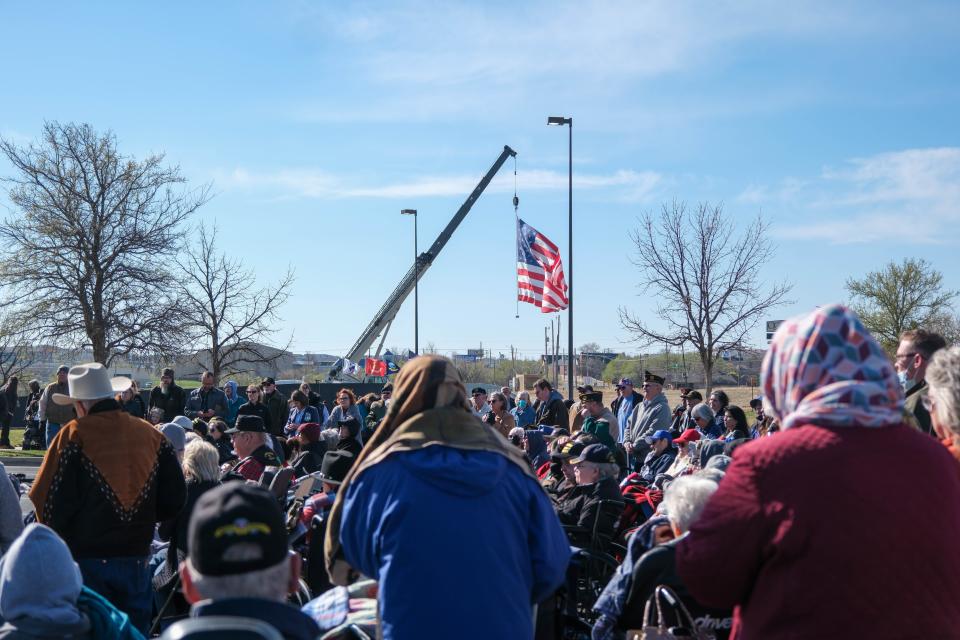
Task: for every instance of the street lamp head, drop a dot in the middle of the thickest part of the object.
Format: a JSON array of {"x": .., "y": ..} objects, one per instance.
[
  {"x": 408, "y": 212},
  {"x": 559, "y": 120}
]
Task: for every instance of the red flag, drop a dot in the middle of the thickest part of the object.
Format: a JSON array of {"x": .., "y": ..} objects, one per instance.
[{"x": 374, "y": 367}]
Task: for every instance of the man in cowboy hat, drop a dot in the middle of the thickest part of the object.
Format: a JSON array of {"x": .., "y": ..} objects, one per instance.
[
  {"x": 651, "y": 415},
  {"x": 106, "y": 480}
]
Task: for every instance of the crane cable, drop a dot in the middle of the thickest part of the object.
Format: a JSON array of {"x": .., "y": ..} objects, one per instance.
[{"x": 516, "y": 215}]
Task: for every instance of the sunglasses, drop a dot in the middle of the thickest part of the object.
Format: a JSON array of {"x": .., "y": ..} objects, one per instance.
[{"x": 251, "y": 392}]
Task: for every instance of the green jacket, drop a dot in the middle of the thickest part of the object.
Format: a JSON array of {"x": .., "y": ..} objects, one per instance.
[{"x": 377, "y": 410}]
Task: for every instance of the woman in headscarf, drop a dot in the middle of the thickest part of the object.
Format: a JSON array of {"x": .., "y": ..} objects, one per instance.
[
  {"x": 432, "y": 482},
  {"x": 814, "y": 533}
]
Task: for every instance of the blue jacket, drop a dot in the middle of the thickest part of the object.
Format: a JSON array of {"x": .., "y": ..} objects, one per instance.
[
  {"x": 463, "y": 543},
  {"x": 525, "y": 417}
]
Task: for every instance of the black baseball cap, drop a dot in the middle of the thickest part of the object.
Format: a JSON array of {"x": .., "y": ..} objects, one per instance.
[
  {"x": 477, "y": 390},
  {"x": 571, "y": 449},
  {"x": 268, "y": 381},
  {"x": 595, "y": 453},
  {"x": 232, "y": 515},
  {"x": 336, "y": 465},
  {"x": 248, "y": 423}
]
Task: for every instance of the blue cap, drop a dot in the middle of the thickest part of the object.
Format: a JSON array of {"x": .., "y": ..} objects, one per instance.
[
  {"x": 662, "y": 434},
  {"x": 546, "y": 430}
]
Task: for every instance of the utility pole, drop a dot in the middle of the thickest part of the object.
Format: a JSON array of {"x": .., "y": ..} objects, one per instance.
[{"x": 546, "y": 353}]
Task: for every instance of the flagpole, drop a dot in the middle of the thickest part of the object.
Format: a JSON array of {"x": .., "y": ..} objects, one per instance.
[{"x": 516, "y": 225}]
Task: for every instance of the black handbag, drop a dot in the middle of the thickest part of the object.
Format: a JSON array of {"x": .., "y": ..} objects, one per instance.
[{"x": 662, "y": 609}]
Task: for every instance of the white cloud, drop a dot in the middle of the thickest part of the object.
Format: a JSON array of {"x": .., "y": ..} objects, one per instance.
[
  {"x": 425, "y": 61},
  {"x": 908, "y": 196},
  {"x": 313, "y": 183}
]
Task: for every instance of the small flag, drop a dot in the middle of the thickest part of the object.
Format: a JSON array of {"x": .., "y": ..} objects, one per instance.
[
  {"x": 540, "y": 278},
  {"x": 374, "y": 367}
]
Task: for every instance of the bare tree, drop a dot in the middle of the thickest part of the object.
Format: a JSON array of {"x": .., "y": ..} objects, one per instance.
[
  {"x": 17, "y": 353},
  {"x": 909, "y": 295},
  {"x": 232, "y": 320},
  {"x": 88, "y": 249},
  {"x": 703, "y": 278}
]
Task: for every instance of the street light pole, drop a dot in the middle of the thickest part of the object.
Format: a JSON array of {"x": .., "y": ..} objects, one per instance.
[
  {"x": 416, "y": 283},
  {"x": 560, "y": 121}
]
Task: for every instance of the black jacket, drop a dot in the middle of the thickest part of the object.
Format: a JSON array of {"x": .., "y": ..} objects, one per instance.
[
  {"x": 582, "y": 507},
  {"x": 350, "y": 444},
  {"x": 172, "y": 404},
  {"x": 292, "y": 623},
  {"x": 309, "y": 459},
  {"x": 659, "y": 567},
  {"x": 174, "y": 530},
  {"x": 553, "y": 412},
  {"x": 224, "y": 449},
  {"x": 258, "y": 409}
]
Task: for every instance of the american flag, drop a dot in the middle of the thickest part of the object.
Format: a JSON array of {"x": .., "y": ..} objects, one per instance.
[{"x": 540, "y": 278}]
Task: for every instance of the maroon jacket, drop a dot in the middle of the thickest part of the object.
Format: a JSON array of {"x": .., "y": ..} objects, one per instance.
[{"x": 832, "y": 533}]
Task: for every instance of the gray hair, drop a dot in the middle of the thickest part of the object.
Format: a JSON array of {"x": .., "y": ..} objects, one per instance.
[
  {"x": 943, "y": 376},
  {"x": 606, "y": 469},
  {"x": 496, "y": 395},
  {"x": 685, "y": 499},
  {"x": 524, "y": 395},
  {"x": 201, "y": 461},
  {"x": 271, "y": 583},
  {"x": 702, "y": 411}
]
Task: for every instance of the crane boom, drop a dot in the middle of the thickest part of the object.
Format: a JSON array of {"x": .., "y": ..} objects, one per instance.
[{"x": 390, "y": 308}]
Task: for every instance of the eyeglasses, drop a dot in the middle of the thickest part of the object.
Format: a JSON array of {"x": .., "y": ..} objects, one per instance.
[
  {"x": 342, "y": 398},
  {"x": 251, "y": 392},
  {"x": 477, "y": 395},
  {"x": 904, "y": 356}
]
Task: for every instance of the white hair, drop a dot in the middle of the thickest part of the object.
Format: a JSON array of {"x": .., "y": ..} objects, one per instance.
[
  {"x": 266, "y": 584},
  {"x": 524, "y": 395},
  {"x": 685, "y": 499},
  {"x": 201, "y": 461},
  {"x": 702, "y": 411},
  {"x": 943, "y": 376}
]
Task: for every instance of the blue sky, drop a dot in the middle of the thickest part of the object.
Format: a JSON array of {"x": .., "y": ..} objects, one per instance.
[{"x": 317, "y": 122}]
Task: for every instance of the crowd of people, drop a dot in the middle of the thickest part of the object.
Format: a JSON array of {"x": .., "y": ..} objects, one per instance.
[{"x": 429, "y": 511}]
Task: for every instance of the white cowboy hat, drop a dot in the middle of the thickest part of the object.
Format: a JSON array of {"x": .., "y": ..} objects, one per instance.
[{"x": 91, "y": 382}]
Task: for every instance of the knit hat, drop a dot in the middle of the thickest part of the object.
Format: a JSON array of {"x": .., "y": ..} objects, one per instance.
[
  {"x": 167, "y": 373},
  {"x": 234, "y": 516},
  {"x": 176, "y": 435},
  {"x": 309, "y": 431}
]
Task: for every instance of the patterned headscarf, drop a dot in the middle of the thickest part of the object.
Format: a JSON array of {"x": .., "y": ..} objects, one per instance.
[{"x": 826, "y": 369}]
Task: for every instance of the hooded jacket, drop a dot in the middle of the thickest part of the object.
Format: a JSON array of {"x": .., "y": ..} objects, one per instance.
[
  {"x": 42, "y": 595},
  {"x": 391, "y": 531},
  {"x": 234, "y": 402}
]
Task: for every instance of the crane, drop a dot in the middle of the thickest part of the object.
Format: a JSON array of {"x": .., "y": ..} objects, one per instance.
[{"x": 382, "y": 320}]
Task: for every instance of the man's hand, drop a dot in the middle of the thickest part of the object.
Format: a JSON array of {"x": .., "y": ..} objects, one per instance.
[{"x": 628, "y": 446}]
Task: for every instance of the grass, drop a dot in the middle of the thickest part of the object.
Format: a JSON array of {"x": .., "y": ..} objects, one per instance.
[{"x": 16, "y": 439}]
